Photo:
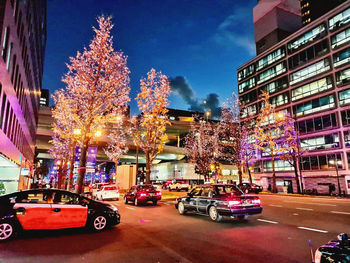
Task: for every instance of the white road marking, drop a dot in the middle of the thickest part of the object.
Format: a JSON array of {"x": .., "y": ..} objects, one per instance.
[
  {"x": 312, "y": 229},
  {"x": 131, "y": 208},
  {"x": 295, "y": 214},
  {"x": 267, "y": 221},
  {"x": 276, "y": 205},
  {"x": 339, "y": 212},
  {"x": 296, "y": 202},
  {"x": 306, "y": 209}
]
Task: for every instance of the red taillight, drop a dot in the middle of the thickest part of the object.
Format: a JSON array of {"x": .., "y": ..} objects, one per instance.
[
  {"x": 234, "y": 203},
  {"x": 256, "y": 201},
  {"x": 159, "y": 193}
]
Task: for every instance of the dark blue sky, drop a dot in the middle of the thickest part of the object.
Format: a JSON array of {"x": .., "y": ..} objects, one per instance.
[{"x": 202, "y": 41}]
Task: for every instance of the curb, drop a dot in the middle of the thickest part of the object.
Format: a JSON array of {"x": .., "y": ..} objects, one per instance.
[{"x": 300, "y": 195}]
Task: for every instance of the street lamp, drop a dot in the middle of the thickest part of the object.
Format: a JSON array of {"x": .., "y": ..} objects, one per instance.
[{"x": 336, "y": 162}]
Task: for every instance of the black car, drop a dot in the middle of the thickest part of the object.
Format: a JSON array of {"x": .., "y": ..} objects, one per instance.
[
  {"x": 52, "y": 209},
  {"x": 141, "y": 194},
  {"x": 219, "y": 200},
  {"x": 250, "y": 188},
  {"x": 334, "y": 251}
]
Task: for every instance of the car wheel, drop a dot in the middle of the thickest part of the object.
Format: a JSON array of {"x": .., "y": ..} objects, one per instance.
[
  {"x": 136, "y": 202},
  {"x": 214, "y": 215},
  {"x": 125, "y": 200},
  {"x": 154, "y": 202},
  {"x": 7, "y": 231},
  {"x": 99, "y": 223},
  {"x": 181, "y": 208},
  {"x": 241, "y": 218}
]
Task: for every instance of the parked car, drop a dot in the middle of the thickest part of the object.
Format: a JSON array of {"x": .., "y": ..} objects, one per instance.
[
  {"x": 219, "y": 200},
  {"x": 141, "y": 194},
  {"x": 334, "y": 250},
  {"x": 250, "y": 188},
  {"x": 167, "y": 183},
  {"x": 52, "y": 209},
  {"x": 95, "y": 188},
  {"x": 179, "y": 186},
  {"x": 109, "y": 191}
]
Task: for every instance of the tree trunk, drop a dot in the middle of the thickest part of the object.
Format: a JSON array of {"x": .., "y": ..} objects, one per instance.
[
  {"x": 82, "y": 166},
  {"x": 250, "y": 175},
  {"x": 71, "y": 168},
  {"x": 240, "y": 174},
  {"x": 296, "y": 174},
  {"x": 60, "y": 175},
  {"x": 274, "y": 186},
  {"x": 148, "y": 169}
]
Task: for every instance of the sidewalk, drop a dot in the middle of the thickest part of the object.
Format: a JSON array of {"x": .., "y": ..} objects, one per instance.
[{"x": 305, "y": 195}]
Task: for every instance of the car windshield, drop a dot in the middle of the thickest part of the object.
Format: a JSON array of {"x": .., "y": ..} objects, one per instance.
[
  {"x": 227, "y": 190},
  {"x": 146, "y": 187},
  {"x": 110, "y": 188}
]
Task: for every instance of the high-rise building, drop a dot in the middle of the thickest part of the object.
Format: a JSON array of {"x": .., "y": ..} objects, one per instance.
[
  {"x": 23, "y": 40},
  {"x": 274, "y": 20},
  {"x": 313, "y": 9},
  {"x": 44, "y": 98},
  {"x": 308, "y": 75}
]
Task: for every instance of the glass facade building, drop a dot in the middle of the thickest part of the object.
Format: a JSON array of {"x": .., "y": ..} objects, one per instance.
[
  {"x": 308, "y": 75},
  {"x": 22, "y": 45}
]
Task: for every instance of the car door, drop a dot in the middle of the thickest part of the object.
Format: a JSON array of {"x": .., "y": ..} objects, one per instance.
[
  {"x": 67, "y": 211},
  {"x": 204, "y": 200},
  {"x": 32, "y": 210},
  {"x": 190, "y": 200},
  {"x": 196, "y": 197}
]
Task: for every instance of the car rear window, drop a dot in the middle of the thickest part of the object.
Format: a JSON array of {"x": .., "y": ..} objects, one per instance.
[
  {"x": 110, "y": 188},
  {"x": 144, "y": 187},
  {"x": 227, "y": 190}
]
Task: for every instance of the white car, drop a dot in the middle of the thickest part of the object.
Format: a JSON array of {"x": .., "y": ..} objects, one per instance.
[
  {"x": 179, "y": 186},
  {"x": 95, "y": 188},
  {"x": 107, "y": 192}
]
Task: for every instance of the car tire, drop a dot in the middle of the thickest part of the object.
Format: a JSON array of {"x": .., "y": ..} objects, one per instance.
[
  {"x": 241, "y": 218},
  {"x": 181, "y": 208},
  {"x": 125, "y": 200},
  {"x": 155, "y": 203},
  {"x": 136, "y": 202},
  {"x": 99, "y": 223},
  {"x": 214, "y": 215},
  {"x": 7, "y": 231}
]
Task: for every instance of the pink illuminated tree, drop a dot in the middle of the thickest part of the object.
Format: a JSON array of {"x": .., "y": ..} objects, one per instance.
[
  {"x": 98, "y": 80},
  {"x": 148, "y": 130}
]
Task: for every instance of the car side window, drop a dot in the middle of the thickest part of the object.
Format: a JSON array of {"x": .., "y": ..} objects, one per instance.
[
  {"x": 197, "y": 191},
  {"x": 67, "y": 199},
  {"x": 33, "y": 197},
  {"x": 205, "y": 192}
]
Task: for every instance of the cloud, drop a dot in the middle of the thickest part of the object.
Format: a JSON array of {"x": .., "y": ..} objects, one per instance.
[
  {"x": 180, "y": 86},
  {"x": 234, "y": 31}
]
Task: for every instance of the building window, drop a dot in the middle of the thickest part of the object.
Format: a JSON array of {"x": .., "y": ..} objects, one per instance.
[
  {"x": 272, "y": 72},
  {"x": 306, "y": 38},
  {"x": 342, "y": 57},
  {"x": 344, "y": 97},
  {"x": 270, "y": 58},
  {"x": 275, "y": 86},
  {"x": 321, "y": 142},
  {"x": 5, "y": 43},
  {"x": 246, "y": 72},
  {"x": 342, "y": 77},
  {"x": 339, "y": 20},
  {"x": 340, "y": 38},
  {"x": 249, "y": 111},
  {"x": 280, "y": 165},
  {"x": 249, "y": 97},
  {"x": 347, "y": 138},
  {"x": 280, "y": 99},
  {"x": 312, "y": 88},
  {"x": 310, "y": 71},
  {"x": 321, "y": 162},
  {"x": 315, "y": 105},
  {"x": 345, "y": 117},
  {"x": 322, "y": 123},
  {"x": 309, "y": 54},
  {"x": 246, "y": 85}
]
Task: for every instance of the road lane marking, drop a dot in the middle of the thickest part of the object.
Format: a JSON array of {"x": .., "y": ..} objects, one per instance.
[
  {"x": 306, "y": 209},
  {"x": 295, "y": 214},
  {"x": 276, "y": 205},
  {"x": 339, "y": 212},
  {"x": 131, "y": 208},
  {"x": 296, "y": 202},
  {"x": 312, "y": 229},
  {"x": 267, "y": 221}
]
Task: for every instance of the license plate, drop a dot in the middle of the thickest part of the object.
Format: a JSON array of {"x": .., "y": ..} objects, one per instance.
[{"x": 151, "y": 194}]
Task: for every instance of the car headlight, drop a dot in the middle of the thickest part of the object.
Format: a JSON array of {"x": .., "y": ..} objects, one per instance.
[
  {"x": 114, "y": 208},
  {"x": 318, "y": 256}
]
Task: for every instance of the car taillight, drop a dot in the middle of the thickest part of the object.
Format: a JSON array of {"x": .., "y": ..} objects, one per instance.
[
  {"x": 159, "y": 193},
  {"x": 256, "y": 201},
  {"x": 234, "y": 203}
]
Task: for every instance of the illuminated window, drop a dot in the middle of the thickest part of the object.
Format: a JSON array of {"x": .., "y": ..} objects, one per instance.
[
  {"x": 310, "y": 71},
  {"x": 246, "y": 85},
  {"x": 340, "y": 38},
  {"x": 272, "y": 72},
  {"x": 270, "y": 58},
  {"x": 339, "y": 20},
  {"x": 315, "y": 105},
  {"x": 312, "y": 88}
]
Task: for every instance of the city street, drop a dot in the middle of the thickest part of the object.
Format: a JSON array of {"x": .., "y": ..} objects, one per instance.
[{"x": 159, "y": 234}]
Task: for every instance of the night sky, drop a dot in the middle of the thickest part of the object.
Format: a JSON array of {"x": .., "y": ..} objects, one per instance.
[{"x": 198, "y": 44}]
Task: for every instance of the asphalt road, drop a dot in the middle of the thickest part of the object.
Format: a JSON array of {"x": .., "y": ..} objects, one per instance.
[{"x": 159, "y": 234}]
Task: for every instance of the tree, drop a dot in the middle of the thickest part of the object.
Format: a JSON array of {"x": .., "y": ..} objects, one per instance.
[
  {"x": 98, "y": 80},
  {"x": 202, "y": 147},
  {"x": 291, "y": 149},
  {"x": 117, "y": 145},
  {"x": 247, "y": 152},
  {"x": 268, "y": 132},
  {"x": 148, "y": 131}
]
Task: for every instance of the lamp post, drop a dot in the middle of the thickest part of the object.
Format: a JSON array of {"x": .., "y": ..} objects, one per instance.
[{"x": 335, "y": 162}]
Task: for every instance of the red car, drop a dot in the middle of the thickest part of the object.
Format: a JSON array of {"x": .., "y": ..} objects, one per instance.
[{"x": 141, "y": 194}]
